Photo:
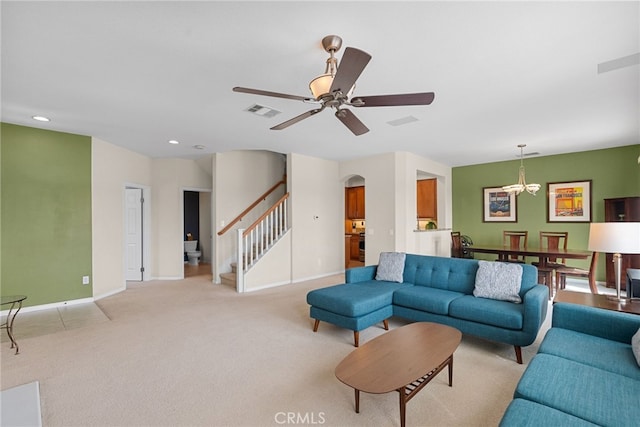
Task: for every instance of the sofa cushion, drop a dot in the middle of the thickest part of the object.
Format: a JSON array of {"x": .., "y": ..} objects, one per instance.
[
  {"x": 451, "y": 274},
  {"x": 498, "y": 280},
  {"x": 589, "y": 349},
  {"x": 353, "y": 299},
  {"x": 391, "y": 266},
  {"x": 590, "y": 393},
  {"x": 425, "y": 299},
  {"x": 635, "y": 346},
  {"x": 488, "y": 311},
  {"x": 525, "y": 413}
]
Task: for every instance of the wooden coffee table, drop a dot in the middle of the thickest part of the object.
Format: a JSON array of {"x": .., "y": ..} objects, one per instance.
[{"x": 403, "y": 360}]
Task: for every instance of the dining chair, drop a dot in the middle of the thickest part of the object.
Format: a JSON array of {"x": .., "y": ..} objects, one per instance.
[
  {"x": 551, "y": 240},
  {"x": 563, "y": 272},
  {"x": 456, "y": 245},
  {"x": 515, "y": 240}
]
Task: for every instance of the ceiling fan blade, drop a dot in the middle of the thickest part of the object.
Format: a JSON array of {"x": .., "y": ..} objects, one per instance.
[
  {"x": 274, "y": 94},
  {"x": 297, "y": 119},
  {"x": 351, "y": 66},
  {"x": 424, "y": 98},
  {"x": 351, "y": 121}
]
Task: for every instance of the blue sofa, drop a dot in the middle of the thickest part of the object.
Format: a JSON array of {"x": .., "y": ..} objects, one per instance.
[
  {"x": 584, "y": 373},
  {"x": 433, "y": 289}
]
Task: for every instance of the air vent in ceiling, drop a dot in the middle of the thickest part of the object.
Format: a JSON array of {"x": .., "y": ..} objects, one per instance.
[
  {"x": 263, "y": 111},
  {"x": 402, "y": 121}
]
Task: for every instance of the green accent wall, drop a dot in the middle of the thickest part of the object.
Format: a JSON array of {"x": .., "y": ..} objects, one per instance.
[
  {"x": 614, "y": 173},
  {"x": 45, "y": 223}
]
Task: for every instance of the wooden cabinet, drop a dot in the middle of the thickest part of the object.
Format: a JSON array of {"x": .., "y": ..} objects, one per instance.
[
  {"x": 354, "y": 202},
  {"x": 427, "y": 198},
  {"x": 621, "y": 209},
  {"x": 355, "y": 247}
]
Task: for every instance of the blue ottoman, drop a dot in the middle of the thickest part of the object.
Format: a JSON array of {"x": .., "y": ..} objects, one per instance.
[{"x": 354, "y": 306}]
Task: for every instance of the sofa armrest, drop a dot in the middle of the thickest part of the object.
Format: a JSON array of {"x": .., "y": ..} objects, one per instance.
[
  {"x": 536, "y": 302},
  {"x": 361, "y": 274},
  {"x": 599, "y": 322}
]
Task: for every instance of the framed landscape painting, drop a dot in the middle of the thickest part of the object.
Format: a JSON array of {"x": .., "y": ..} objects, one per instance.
[
  {"x": 498, "y": 205},
  {"x": 569, "y": 201}
]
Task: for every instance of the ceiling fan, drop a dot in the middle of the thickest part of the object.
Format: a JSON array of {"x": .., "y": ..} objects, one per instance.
[{"x": 334, "y": 89}]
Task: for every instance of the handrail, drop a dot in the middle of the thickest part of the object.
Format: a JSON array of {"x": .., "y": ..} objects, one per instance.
[
  {"x": 264, "y": 215},
  {"x": 253, "y": 205}
]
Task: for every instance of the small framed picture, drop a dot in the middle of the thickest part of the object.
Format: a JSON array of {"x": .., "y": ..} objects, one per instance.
[
  {"x": 498, "y": 205},
  {"x": 569, "y": 201}
]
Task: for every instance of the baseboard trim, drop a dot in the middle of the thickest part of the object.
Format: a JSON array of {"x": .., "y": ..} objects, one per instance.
[{"x": 51, "y": 305}]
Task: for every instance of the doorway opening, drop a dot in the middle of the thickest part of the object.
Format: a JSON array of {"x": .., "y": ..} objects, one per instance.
[
  {"x": 197, "y": 233},
  {"x": 354, "y": 222}
]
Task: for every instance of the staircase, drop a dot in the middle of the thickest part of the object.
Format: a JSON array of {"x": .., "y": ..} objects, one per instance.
[
  {"x": 254, "y": 242},
  {"x": 229, "y": 279}
]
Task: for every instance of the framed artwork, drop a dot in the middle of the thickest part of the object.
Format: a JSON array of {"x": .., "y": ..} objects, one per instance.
[
  {"x": 569, "y": 201},
  {"x": 498, "y": 205}
]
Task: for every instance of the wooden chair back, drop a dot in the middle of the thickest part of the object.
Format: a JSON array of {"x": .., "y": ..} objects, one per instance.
[
  {"x": 590, "y": 274},
  {"x": 456, "y": 245},
  {"x": 554, "y": 240},
  {"x": 515, "y": 240}
]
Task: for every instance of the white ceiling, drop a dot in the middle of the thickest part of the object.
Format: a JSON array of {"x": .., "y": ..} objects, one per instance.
[{"x": 137, "y": 74}]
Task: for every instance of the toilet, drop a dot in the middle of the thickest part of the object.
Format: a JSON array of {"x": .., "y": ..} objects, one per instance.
[{"x": 192, "y": 254}]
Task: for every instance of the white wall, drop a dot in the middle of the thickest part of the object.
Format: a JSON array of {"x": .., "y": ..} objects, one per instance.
[
  {"x": 206, "y": 222},
  {"x": 379, "y": 201},
  {"x": 240, "y": 177},
  {"x": 170, "y": 177},
  {"x": 390, "y": 199},
  {"x": 112, "y": 168},
  {"x": 317, "y": 217},
  {"x": 408, "y": 165}
]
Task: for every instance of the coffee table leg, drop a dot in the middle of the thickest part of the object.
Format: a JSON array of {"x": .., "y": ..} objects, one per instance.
[
  {"x": 357, "y": 400},
  {"x": 403, "y": 406},
  {"x": 451, "y": 371}
]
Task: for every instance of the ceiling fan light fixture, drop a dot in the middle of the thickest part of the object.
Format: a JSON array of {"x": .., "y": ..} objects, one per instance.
[
  {"x": 321, "y": 85},
  {"x": 522, "y": 183}
]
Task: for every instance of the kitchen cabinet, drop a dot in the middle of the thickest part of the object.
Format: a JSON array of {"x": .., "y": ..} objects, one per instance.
[
  {"x": 427, "y": 198},
  {"x": 621, "y": 209},
  {"x": 354, "y": 202},
  {"x": 355, "y": 247}
]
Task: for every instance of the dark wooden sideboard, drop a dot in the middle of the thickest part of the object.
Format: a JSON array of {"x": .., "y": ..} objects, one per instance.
[{"x": 625, "y": 209}]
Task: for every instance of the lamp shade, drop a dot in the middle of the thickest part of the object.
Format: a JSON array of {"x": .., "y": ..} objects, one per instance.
[
  {"x": 321, "y": 85},
  {"x": 615, "y": 237}
]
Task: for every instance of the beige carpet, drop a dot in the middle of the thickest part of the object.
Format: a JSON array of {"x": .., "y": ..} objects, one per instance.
[{"x": 191, "y": 353}]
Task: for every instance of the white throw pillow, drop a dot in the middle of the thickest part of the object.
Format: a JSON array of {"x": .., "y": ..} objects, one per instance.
[
  {"x": 498, "y": 280},
  {"x": 391, "y": 266},
  {"x": 635, "y": 346}
]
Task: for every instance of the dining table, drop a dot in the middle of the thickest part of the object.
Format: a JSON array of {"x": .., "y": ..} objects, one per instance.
[{"x": 542, "y": 253}]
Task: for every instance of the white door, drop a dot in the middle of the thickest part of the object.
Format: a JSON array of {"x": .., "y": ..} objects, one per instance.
[{"x": 133, "y": 233}]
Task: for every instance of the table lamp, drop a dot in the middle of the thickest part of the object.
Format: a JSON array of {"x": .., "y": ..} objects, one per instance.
[{"x": 617, "y": 238}]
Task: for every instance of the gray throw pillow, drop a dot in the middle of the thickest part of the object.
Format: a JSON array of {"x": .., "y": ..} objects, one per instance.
[
  {"x": 635, "y": 346},
  {"x": 498, "y": 280},
  {"x": 391, "y": 266}
]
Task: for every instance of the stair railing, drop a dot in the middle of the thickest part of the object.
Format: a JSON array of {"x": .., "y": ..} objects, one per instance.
[
  {"x": 251, "y": 206},
  {"x": 259, "y": 237}
]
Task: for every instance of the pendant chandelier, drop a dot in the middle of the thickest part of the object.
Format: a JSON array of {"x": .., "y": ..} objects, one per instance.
[{"x": 522, "y": 183}]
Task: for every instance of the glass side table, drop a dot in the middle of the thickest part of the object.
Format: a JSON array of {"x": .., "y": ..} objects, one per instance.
[{"x": 15, "y": 303}]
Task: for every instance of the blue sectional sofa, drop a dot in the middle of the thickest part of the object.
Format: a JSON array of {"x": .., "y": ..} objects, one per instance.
[
  {"x": 433, "y": 289},
  {"x": 584, "y": 374}
]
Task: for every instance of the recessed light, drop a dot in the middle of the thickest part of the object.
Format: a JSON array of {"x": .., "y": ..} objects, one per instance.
[
  {"x": 41, "y": 118},
  {"x": 173, "y": 141}
]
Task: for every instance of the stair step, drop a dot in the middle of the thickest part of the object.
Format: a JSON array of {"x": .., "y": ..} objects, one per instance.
[
  {"x": 234, "y": 267},
  {"x": 228, "y": 279}
]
